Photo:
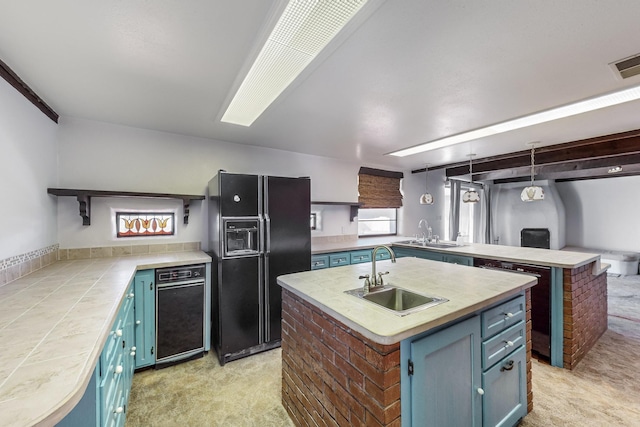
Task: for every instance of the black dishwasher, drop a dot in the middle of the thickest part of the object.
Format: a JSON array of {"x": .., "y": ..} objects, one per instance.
[
  {"x": 180, "y": 309},
  {"x": 540, "y": 300}
]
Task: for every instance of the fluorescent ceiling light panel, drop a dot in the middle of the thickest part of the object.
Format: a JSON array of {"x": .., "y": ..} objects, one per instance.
[
  {"x": 591, "y": 104},
  {"x": 302, "y": 31}
]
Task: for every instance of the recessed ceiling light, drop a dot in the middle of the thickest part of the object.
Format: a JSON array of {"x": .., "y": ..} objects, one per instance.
[
  {"x": 586, "y": 105},
  {"x": 302, "y": 31}
]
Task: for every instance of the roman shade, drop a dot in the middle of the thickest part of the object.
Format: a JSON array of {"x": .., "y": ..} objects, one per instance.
[{"x": 379, "y": 188}]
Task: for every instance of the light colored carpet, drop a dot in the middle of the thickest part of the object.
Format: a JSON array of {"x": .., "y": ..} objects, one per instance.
[{"x": 604, "y": 389}]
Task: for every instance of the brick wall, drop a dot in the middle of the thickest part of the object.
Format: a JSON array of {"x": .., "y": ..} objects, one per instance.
[
  {"x": 332, "y": 375},
  {"x": 527, "y": 296},
  {"x": 585, "y": 312}
]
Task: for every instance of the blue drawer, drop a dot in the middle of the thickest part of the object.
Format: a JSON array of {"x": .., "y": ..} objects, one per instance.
[
  {"x": 319, "y": 261},
  {"x": 340, "y": 258},
  {"x": 358, "y": 257},
  {"x": 499, "y": 318},
  {"x": 503, "y": 344}
]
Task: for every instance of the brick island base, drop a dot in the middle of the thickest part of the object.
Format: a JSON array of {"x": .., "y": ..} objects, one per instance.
[{"x": 334, "y": 376}]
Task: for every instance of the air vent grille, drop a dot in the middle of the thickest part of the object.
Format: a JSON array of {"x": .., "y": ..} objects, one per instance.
[{"x": 628, "y": 67}]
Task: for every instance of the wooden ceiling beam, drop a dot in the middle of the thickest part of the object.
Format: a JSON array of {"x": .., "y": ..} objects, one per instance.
[{"x": 577, "y": 155}]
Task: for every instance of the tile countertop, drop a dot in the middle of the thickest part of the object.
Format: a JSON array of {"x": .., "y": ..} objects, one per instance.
[
  {"x": 467, "y": 289},
  {"x": 544, "y": 257},
  {"x": 53, "y": 325}
]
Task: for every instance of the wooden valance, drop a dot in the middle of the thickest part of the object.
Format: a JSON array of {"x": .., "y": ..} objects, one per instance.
[{"x": 379, "y": 188}]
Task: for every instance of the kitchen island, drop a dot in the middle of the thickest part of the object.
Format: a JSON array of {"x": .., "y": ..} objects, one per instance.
[
  {"x": 342, "y": 356},
  {"x": 578, "y": 288},
  {"x": 54, "y": 323}
]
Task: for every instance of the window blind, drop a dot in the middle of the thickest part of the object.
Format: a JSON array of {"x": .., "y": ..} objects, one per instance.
[{"x": 379, "y": 188}]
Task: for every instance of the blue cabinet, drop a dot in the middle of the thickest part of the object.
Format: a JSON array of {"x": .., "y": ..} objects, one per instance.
[
  {"x": 458, "y": 259},
  {"x": 418, "y": 253},
  {"x": 471, "y": 373},
  {"x": 105, "y": 400},
  {"x": 145, "y": 328},
  {"x": 504, "y": 363},
  {"x": 444, "y": 378}
]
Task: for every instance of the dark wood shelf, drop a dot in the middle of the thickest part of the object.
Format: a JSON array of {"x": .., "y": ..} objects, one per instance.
[
  {"x": 84, "y": 199},
  {"x": 354, "y": 206}
]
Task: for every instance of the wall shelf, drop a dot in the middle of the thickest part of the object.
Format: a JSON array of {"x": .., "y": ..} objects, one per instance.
[
  {"x": 84, "y": 199},
  {"x": 354, "y": 206}
]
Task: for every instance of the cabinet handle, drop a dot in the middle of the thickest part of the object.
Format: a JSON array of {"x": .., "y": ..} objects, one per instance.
[
  {"x": 119, "y": 410},
  {"x": 509, "y": 343},
  {"x": 119, "y": 333},
  {"x": 133, "y": 348},
  {"x": 138, "y": 322},
  {"x": 119, "y": 369},
  {"x": 131, "y": 295},
  {"x": 507, "y": 366},
  {"x": 509, "y": 315},
  {"x": 480, "y": 391},
  {"x": 132, "y": 354}
]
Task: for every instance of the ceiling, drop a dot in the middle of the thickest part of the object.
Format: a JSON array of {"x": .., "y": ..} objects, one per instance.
[{"x": 411, "y": 72}]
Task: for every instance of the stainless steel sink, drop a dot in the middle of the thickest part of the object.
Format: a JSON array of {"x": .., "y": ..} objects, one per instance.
[
  {"x": 441, "y": 245},
  {"x": 397, "y": 300}
]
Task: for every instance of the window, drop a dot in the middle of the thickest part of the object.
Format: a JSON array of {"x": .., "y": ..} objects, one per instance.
[
  {"x": 377, "y": 222},
  {"x": 139, "y": 224},
  {"x": 467, "y": 215}
]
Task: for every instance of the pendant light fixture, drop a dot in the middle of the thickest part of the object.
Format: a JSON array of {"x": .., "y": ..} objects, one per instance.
[
  {"x": 426, "y": 198},
  {"x": 471, "y": 195},
  {"x": 533, "y": 192}
]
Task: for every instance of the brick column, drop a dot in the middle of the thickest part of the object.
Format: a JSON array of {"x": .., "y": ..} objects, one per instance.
[
  {"x": 527, "y": 296},
  {"x": 332, "y": 375},
  {"x": 585, "y": 312}
]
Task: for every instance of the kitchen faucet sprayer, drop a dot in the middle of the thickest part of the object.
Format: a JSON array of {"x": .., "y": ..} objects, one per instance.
[{"x": 374, "y": 281}]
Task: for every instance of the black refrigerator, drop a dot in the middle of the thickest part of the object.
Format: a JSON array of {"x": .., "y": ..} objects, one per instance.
[{"x": 259, "y": 229}]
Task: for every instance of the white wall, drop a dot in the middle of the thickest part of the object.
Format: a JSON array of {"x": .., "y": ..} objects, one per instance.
[
  {"x": 510, "y": 214},
  {"x": 28, "y": 155},
  {"x": 101, "y": 156},
  {"x": 413, "y": 186},
  {"x": 603, "y": 213}
]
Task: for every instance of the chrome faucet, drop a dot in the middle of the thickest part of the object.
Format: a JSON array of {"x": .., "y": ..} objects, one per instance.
[
  {"x": 427, "y": 233},
  {"x": 374, "y": 280}
]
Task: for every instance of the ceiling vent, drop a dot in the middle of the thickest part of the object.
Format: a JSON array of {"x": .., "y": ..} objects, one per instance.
[{"x": 627, "y": 67}]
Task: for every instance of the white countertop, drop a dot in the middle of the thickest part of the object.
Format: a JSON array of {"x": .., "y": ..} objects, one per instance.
[
  {"x": 53, "y": 325},
  {"x": 468, "y": 290},
  {"x": 534, "y": 256}
]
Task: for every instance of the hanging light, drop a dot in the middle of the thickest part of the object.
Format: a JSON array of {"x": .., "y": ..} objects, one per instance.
[
  {"x": 426, "y": 198},
  {"x": 471, "y": 195},
  {"x": 533, "y": 192}
]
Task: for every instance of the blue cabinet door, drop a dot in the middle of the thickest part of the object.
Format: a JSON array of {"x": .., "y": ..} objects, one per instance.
[
  {"x": 144, "y": 318},
  {"x": 458, "y": 259},
  {"x": 417, "y": 253},
  {"x": 446, "y": 377},
  {"x": 505, "y": 386}
]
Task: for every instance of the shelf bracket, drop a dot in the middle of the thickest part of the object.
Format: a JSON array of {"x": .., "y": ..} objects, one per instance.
[
  {"x": 353, "y": 212},
  {"x": 84, "y": 202},
  {"x": 185, "y": 207}
]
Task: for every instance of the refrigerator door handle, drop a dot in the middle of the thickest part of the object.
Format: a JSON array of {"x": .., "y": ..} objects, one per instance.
[
  {"x": 267, "y": 221},
  {"x": 267, "y": 311},
  {"x": 261, "y": 282}
]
